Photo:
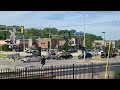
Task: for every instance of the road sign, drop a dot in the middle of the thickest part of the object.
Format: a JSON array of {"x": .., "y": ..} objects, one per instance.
[
  {"x": 79, "y": 33},
  {"x": 19, "y": 36}
]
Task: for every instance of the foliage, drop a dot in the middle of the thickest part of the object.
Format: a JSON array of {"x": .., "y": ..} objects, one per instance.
[
  {"x": 65, "y": 47},
  {"x": 90, "y": 38},
  {"x": 117, "y": 44},
  {"x": 4, "y": 47},
  {"x": 44, "y": 33},
  {"x": 117, "y": 74}
]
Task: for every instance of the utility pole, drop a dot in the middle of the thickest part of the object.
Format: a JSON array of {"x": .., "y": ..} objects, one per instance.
[
  {"x": 84, "y": 37},
  {"x": 84, "y": 32},
  {"x": 49, "y": 39},
  {"x": 104, "y": 40},
  {"x": 13, "y": 41},
  {"x": 22, "y": 31},
  {"x": 70, "y": 40},
  {"x": 57, "y": 42}
]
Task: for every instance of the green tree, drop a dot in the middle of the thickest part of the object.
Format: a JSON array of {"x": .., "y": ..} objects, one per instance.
[
  {"x": 5, "y": 47},
  {"x": 66, "y": 47},
  {"x": 117, "y": 44}
]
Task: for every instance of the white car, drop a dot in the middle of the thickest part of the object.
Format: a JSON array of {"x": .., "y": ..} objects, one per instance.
[{"x": 31, "y": 59}]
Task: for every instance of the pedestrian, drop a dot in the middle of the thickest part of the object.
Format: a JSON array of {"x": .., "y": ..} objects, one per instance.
[{"x": 43, "y": 60}]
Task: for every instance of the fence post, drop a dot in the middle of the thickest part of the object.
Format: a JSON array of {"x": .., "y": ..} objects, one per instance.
[
  {"x": 108, "y": 69},
  {"x": 92, "y": 70},
  {"x": 25, "y": 72},
  {"x": 1, "y": 74},
  {"x": 51, "y": 72},
  {"x": 73, "y": 71}
]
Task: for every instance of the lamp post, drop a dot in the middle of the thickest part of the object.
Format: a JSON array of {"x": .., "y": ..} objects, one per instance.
[
  {"x": 49, "y": 39},
  {"x": 84, "y": 30},
  {"x": 104, "y": 40}
]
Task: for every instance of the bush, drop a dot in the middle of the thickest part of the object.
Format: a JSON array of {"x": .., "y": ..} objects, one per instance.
[
  {"x": 4, "y": 47},
  {"x": 117, "y": 74},
  {"x": 66, "y": 47}
]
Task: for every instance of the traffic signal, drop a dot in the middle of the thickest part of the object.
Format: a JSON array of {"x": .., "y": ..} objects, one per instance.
[{"x": 22, "y": 29}]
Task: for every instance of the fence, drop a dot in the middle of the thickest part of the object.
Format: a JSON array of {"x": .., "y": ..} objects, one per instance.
[{"x": 85, "y": 71}]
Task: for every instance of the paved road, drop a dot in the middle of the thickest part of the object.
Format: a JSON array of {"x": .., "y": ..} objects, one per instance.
[{"x": 9, "y": 63}]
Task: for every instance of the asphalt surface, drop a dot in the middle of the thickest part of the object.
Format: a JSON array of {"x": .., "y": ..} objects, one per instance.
[{"x": 10, "y": 64}]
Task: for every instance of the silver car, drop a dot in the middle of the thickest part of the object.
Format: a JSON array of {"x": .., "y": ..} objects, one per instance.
[{"x": 31, "y": 59}]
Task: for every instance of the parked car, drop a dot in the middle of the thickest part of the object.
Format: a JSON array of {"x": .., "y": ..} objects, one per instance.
[
  {"x": 52, "y": 56},
  {"x": 105, "y": 55},
  {"x": 73, "y": 50},
  {"x": 31, "y": 59},
  {"x": 65, "y": 55},
  {"x": 87, "y": 55}
]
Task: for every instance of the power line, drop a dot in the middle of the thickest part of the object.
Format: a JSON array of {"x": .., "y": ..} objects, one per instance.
[
  {"x": 51, "y": 26},
  {"x": 75, "y": 25}
]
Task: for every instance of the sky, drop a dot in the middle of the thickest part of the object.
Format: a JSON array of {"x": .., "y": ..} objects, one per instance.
[{"x": 95, "y": 21}]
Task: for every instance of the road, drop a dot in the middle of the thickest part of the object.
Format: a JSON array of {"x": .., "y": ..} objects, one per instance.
[{"x": 10, "y": 64}]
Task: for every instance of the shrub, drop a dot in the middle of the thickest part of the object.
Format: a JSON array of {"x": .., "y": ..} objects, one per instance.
[
  {"x": 117, "y": 74},
  {"x": 4, "y": 47}
]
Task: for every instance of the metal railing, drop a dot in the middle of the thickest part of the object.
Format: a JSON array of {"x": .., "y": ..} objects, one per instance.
[{"x": 85, "y": 71}]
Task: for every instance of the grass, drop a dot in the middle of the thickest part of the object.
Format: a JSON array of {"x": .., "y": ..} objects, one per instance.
[{"x": 117, "y": 74}]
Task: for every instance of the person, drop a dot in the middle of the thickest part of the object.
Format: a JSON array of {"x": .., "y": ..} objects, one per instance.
[{"x": 43, "y": 60}]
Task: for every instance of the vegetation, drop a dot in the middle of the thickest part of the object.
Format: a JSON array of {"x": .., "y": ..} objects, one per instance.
[
  {"x": 44, "y": 33},
  {"x": 117, "y": 74},
  {"x": 117, "y": 44},
  {"x": 4, "y": 47}
]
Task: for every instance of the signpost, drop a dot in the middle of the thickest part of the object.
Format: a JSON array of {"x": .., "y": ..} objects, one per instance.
[{"x": 78, "y": 33}]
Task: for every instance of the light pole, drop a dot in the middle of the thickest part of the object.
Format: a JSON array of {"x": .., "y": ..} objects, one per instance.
[
  {"x": 104, "y": 40},
  {"x": 49, "y": 39},
  {"x": 84, "y": 30}
]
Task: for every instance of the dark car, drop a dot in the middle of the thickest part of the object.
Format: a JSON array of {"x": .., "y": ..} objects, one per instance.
[
  {"x": 111, "y": 55},
  {"x": 87, "y": 55},
  {"x": 65, "y": 55}
]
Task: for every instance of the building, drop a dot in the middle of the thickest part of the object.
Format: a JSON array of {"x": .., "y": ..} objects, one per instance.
[
  {"x": 75, "y": 42},
  {"x": 100, "y": 43},
  {"x": 44, "y": 43}
]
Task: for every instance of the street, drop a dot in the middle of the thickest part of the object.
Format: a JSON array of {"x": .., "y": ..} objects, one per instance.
[{"x": 10, "y": 64}]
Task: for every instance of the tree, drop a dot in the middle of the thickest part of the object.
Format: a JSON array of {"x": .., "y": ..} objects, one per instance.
[
  {"x": 99, "y": 38},
  {"x": 66, "y": 47},
  {"x": 4, "y": 47},
  {"x": 117, "y": 44}
]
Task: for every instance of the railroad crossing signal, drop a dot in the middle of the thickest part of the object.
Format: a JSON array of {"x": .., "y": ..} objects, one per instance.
[{"x": 22, "y": 29}]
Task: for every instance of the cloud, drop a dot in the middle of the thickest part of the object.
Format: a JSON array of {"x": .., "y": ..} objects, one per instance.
[{"x": 39, "y": 19}]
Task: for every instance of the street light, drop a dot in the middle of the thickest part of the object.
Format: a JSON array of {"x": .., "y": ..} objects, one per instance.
[
  {"x": 84, "y": 30},
  {"x": 104, "y": 40}
]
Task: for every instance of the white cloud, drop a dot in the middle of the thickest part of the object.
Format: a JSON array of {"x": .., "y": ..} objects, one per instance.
[{"x": 64, "y": 18}]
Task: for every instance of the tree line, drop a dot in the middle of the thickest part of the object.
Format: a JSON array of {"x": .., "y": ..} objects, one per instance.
[{"x": 44, "y": 33}]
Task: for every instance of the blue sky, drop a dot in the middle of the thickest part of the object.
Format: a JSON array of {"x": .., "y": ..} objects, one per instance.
[{"x": 96, "y": 21}]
